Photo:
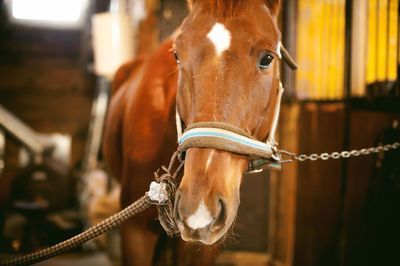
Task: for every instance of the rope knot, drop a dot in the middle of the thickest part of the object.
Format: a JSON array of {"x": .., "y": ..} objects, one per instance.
[
  {"x": 162, "y": 193},
  {"x": 158, "y": 193}
]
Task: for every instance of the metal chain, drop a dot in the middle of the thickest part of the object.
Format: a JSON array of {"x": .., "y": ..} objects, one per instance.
[{"x": 338, "y": 155}]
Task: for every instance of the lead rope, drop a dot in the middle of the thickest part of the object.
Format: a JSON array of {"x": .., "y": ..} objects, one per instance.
[
  {"x": 161, "y": 193},
  {"x": 74, "y": 242}
]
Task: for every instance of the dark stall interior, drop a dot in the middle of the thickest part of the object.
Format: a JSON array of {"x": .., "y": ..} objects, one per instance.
[
  {"x": 345, "y": 96},
  {"x": 47, "y": 83}
]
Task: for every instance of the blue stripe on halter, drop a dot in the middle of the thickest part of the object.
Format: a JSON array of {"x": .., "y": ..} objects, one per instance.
[{"x": 222, "y": 135}]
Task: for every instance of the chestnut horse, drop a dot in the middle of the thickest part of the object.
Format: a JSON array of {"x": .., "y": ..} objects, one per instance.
[{"x": 222, "y": 66}]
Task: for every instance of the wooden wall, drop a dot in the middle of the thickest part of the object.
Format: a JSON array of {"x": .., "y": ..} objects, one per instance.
[
  {"x": 44, "y": 80},
  {"x": 342, "y": 212},
  {"x": 371, "y": 214},
  {"x": 319, "y": 185}
]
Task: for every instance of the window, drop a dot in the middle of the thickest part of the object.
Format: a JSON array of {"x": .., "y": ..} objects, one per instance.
[{"x": 48, "y": 13}]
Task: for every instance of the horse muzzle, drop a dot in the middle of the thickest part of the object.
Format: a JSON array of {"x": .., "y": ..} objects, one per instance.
[{"x": 206, "y": 225}]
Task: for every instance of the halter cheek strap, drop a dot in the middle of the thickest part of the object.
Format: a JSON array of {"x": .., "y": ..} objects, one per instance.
[
  {"x": 274, "y": 126},
  {"x": 226, "y": 137}
]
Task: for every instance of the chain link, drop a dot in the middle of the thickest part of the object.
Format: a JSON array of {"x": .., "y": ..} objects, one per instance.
[{"x": 338, "y": 155}]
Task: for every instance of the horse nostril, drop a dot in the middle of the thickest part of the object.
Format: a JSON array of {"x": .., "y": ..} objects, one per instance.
[{"x": 220, "y": 218}]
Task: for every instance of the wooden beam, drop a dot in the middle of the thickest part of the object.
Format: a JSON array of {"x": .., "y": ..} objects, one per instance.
[{"x": 283, "y": 193}]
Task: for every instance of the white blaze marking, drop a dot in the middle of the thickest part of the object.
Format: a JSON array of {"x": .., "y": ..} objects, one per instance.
[
  {"x": 201, "y": 218},
  {"x": 220, "y": 37},
  {"x": 209, "y": 159}
]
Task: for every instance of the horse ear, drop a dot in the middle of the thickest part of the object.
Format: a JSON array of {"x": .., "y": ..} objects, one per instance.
[{"x": 274, "y": 6}]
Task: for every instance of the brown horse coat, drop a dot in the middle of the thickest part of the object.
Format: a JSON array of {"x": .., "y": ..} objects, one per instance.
[{"x": 221, "y": 85}]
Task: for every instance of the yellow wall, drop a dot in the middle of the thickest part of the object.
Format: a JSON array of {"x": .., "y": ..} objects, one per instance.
[
  {"x": 382, "y": 40},
  {"x": 321, "y": 47},
  {"x": 320, "y": 54}
]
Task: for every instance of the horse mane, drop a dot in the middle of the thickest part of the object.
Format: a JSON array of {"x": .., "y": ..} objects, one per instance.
[{"x": 226, "y": 8}]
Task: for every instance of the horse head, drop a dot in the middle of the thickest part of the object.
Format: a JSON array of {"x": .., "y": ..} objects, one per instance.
[{"x": 228, "y": 55}]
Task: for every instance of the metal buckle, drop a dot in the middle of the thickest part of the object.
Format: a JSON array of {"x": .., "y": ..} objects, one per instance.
[
  {"x": 259, "y": 165},
  {"x": 286, "y": 153}
]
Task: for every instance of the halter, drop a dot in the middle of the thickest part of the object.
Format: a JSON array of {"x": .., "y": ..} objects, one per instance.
[{"x": 226, "y": 137}]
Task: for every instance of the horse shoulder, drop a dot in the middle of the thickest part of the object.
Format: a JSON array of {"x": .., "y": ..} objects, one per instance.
[
  {"x": 112, "y": 136},
  {"x": 126, "y": 71},
  {"x": 124, "y": 82},
  {"x": 147, "y": 112}
]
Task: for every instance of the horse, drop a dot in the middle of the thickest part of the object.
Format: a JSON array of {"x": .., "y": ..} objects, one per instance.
[{"x": 220, "y": 68}]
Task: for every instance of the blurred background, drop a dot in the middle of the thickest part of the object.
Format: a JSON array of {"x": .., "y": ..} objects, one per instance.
[{"x": 56, "y": 67}]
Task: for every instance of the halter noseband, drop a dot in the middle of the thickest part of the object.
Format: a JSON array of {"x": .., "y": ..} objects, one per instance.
[{"x": 226, "y": 137}]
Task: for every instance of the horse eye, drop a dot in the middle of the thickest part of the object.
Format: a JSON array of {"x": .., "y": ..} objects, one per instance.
[
  {"x": 176, "y": 57},
  {"x": 265, "y": 61}
]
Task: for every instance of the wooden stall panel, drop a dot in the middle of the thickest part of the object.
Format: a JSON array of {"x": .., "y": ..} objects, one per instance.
[
  {"x": 250, "y": 232},
  {"x": 362, "y": 222},
  {"x": 318, "y": 185},
  {"x": 283, "y": 187}
]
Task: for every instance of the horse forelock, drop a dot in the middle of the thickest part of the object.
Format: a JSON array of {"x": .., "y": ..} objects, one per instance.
[{"x": 227, "y": 8}]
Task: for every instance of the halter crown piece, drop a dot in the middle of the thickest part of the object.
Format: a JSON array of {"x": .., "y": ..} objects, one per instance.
[{"x": 226, "y": 137}]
